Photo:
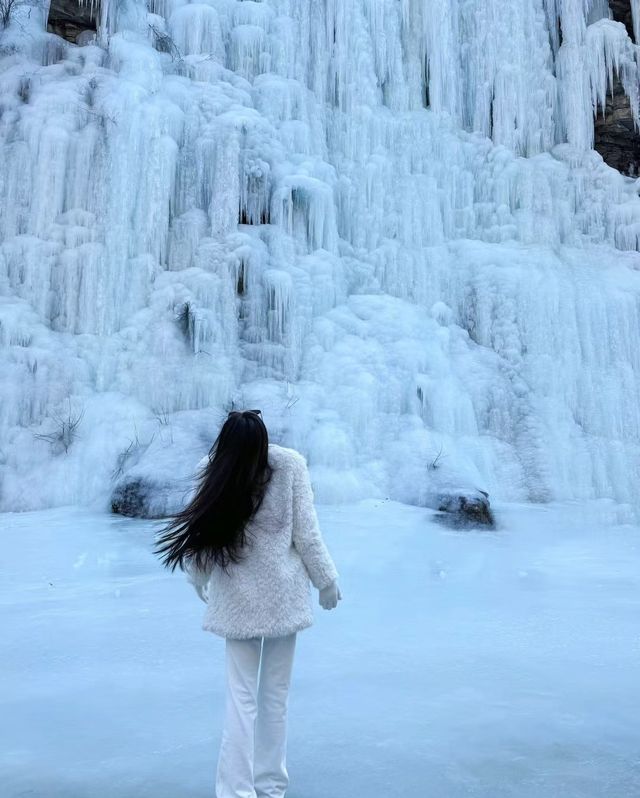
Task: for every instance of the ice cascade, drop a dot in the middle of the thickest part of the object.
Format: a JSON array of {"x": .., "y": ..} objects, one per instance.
[{"x": 381, "y": 222}]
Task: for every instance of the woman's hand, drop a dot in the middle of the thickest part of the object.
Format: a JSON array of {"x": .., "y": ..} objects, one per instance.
[{"x": 330, "y": 596}]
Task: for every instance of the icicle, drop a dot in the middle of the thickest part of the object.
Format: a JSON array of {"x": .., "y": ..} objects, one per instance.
[
  {"x": 635, "y": 15},
  {"x": 278, "y": 288},
  {"x": 248, "y": 46},
  {"x": 611, "y": 53},
  {"x": 304, "y": 206},
  {"x": 195, "y": 29}
]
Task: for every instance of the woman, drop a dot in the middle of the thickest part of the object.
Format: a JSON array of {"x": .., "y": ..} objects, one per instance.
[{"x": 249, "y": 542}]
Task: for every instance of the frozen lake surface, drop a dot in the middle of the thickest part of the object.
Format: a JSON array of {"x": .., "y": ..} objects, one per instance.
[{"x": 459, "y": 663}]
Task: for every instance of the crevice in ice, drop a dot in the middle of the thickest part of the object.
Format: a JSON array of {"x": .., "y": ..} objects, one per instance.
[
  {"x": 254, "y": 192},
  {"x": 240, "y": 279},
  {"x": 73, "y": 20}
]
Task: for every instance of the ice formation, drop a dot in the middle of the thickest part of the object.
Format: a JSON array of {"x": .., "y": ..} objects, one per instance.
[{"x": 381, "y": 222}]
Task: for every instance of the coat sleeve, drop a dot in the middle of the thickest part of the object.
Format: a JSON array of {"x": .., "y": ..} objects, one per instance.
[
  {"x": 196, "y": 576},
  {"x": 307, "y": 538}
]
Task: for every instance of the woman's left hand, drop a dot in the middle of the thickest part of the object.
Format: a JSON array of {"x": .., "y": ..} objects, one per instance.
[{"x": 330, "y": 596}]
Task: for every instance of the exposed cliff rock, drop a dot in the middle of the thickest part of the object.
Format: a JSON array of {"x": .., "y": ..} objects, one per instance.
[
  {"x": 70, "y": 18},
  {"x": 621, "y": 10},
  {"x": 462, "y": 508},
  {"x": 616, "y": 137},
  {"x": 140, "y": 497}
]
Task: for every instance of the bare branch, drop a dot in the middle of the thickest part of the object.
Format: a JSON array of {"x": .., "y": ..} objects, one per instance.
[
  {"x": 434, "y": 464},
  {"x": 165, "y": 44},
  {"x": 134, "y": 449},
  {"x": 7, "y": 7},
  {"x": 66, "y": 429}
]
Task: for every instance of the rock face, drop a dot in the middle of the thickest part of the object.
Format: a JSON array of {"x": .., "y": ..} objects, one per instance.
[
  {"x": 616, "y": 137},
  {"x": 139, "y": 497},
  {"x": 465, "y": 508},
  {"x": 621, "y": 10},
  {"x": 70, "y": 18}
]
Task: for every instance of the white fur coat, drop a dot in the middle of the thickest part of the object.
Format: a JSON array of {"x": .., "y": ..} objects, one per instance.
[{"x": 267, "y": 593}]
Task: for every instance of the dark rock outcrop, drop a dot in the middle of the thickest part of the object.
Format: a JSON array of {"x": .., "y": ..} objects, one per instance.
[
  {"x": 139, "y": 497},
  {"x": 463, "y": 509},
  {"x": 616, "y": 137},
  {"x": 70, "y": 18},
  {"x": 621, "y": 10}
]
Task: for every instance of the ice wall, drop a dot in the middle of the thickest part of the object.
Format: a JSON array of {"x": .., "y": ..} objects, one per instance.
[{"x": 381, "y": 222}]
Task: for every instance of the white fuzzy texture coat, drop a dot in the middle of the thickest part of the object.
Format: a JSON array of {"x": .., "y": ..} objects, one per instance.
[{"x": 268, "y": 593}]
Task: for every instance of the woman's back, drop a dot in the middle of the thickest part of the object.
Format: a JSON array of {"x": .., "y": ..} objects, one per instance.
[{"x": 267, "y": 592}]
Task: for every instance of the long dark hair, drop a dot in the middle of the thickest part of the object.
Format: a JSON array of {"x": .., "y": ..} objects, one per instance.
[{"x": 211, "y": 528}]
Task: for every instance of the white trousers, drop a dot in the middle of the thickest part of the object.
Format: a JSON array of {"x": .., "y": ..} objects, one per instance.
[{"x": 252, "y": 761}]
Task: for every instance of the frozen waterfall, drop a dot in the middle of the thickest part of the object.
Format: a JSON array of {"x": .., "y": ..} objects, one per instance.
[{"x": 381, "y": 222}]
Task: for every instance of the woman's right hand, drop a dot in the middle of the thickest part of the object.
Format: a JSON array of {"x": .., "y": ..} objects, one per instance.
[{"x": 330, "y": 596}]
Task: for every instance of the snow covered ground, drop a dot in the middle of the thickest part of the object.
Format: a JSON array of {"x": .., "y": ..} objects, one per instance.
[{"x": 459, "y": 663}]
